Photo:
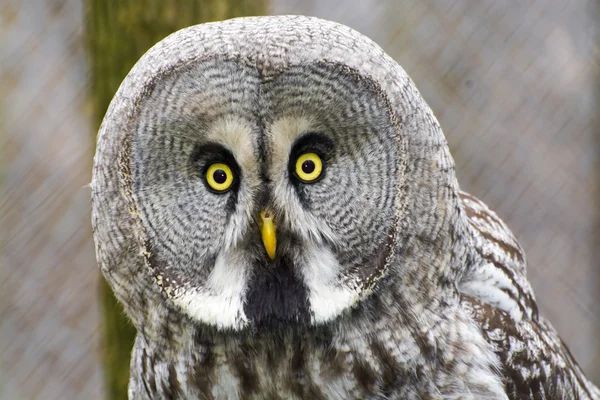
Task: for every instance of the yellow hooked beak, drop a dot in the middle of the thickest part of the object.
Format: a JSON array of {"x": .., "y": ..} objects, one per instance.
[{"x": 267, "y": 232}]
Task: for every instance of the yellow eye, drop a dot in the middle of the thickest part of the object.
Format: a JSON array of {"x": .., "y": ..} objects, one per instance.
[
  {"x": 309, "y": 167},
  {"x": 219, "y": 177}
]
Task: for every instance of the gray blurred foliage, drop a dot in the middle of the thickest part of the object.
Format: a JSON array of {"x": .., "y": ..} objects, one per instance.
[{"x": 514, "y": 85}]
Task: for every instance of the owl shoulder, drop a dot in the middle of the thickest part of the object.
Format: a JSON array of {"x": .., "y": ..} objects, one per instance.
[
  {"x": 496, "y": 265},
  {"x": 499, "y": 298},
  {"x": 535, "y": 363}
]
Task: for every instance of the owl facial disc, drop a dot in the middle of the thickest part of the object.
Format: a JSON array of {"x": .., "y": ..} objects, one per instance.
[{"x": 262, "y": 201}]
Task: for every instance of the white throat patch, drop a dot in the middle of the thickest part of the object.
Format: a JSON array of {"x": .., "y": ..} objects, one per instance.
[
  {"x": 220, "y": 301},
  {"x": 327, "y": 296}
]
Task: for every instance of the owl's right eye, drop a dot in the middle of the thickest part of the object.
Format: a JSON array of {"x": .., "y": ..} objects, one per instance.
[{"x": 219, "y": 177}]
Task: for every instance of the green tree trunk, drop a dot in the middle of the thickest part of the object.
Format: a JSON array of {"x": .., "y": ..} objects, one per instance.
[{"x": 118, "y": 33}]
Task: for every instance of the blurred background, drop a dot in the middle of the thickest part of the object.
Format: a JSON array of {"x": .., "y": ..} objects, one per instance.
[{"x": 514, "y": 85}]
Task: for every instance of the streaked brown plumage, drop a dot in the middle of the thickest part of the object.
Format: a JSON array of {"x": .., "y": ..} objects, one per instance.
[{"x": 536, "y": 363}]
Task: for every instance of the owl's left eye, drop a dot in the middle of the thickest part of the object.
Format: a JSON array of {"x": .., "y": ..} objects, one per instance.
[
  {"x": 309, "y": 167},
  {"x": 219, "y": 177}
]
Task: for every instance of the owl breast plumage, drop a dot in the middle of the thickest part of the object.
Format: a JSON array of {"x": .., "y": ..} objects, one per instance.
[{"x": 276, "y": 207}]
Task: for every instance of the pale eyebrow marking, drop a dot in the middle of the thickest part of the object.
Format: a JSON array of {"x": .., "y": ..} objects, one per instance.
[
  {"x": 236, "y": 135},
  {"x": 281, "y": 136}
]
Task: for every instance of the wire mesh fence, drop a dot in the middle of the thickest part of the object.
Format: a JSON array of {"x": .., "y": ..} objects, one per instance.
[{"x": 514, "y": 85}]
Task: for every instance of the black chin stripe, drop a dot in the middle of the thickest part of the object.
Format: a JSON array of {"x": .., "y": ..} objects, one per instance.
[{"x": 276, "y": 295}]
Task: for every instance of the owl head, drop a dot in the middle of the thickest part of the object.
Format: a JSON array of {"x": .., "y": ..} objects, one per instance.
[{"x": 270, "y": 170}]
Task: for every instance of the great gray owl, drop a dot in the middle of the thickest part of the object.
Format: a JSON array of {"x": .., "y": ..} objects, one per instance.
[{"x": 276, "y": 207}]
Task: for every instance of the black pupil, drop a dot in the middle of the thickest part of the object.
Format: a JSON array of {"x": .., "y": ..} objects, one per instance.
[
  {"x": 308, "y": 166},
  {"x": 220, "y": 176}
]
